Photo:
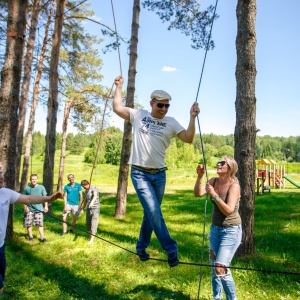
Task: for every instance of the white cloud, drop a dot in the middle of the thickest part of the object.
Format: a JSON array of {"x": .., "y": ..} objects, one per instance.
[{"x": 168, "y": 69}]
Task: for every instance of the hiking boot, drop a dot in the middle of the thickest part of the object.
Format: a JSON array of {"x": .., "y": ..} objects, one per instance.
[
  {"x": 64, "y": 234},
  {"x": 143, "y": 255},
  {"x": 173, "y": 260},
  {"x": 31, "y": 239},
  {"x": 43, "y": 240},
  {"x": 71, "y": 231}
]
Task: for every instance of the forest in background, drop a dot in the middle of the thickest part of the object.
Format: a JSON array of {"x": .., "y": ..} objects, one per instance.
[{"x": 285, "y": 150}]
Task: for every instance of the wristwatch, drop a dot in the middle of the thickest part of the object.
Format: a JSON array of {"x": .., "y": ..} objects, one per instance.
[{"x": 217, "y": 198}]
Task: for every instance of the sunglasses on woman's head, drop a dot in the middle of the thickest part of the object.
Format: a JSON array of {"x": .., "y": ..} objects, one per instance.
[
  {"x": 161, "y": 105},
  {"x": 222, "y": 163}
]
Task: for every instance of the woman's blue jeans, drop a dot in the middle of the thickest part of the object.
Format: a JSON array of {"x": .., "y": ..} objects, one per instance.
[
  {"x": 224, "y": 241},
  {"x": 150, "y": 189}
]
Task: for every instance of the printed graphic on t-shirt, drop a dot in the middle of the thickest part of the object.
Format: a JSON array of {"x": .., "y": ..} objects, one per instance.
[
  {"x": 152, "y": 127},
  {"x": 4, "y": 203}
]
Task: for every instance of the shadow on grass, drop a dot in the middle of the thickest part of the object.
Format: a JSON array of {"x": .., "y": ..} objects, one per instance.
[
  {"x": 70, "y": 286},
  {"x": 157, "y": 292},
  {"x": 61, "y": 283}
]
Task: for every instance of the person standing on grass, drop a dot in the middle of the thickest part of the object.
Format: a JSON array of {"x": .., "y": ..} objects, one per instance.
[
  {"x": 7, "y": 197},
  {"x": 33, "y": 213},
  {"x": 226, "y": 230},
  {"x": 72, "y": 197},
  {"x": 152, "y": 133},
  {"x": 91, "y": 201}
]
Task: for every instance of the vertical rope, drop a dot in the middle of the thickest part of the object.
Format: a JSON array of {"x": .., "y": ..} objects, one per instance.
[
  {"x": 203, "y": 153},
  {"x": 109, "y": 95},
  {"x": 117, "y": 36}
]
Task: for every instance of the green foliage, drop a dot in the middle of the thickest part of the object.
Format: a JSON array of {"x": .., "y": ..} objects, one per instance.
[
  {"x": 188, "y": 18},
  {"x": 178, "y": 154},
  {"x": 76, "y": 143},
  {"x": 58, "y": 140},
  {"x": 172, "y": 155},
  {"x": 90, "y": 154},
  {"x": 279, "y": 148},
  {"x": 187, "y": 156},
  {"x": 38, "y": 143},
  {"x": 81, "y": 79},
  {"x": 225, "y": 150},
  {"x": 209, "y": 152},
  {"x": 110, "y": 147},
  {"x": 113, "y": 146}
]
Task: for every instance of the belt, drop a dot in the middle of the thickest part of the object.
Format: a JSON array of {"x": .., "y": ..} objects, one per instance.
[
  {"x": 224, "y": 226},
  {"x": 150, "y": 170}
]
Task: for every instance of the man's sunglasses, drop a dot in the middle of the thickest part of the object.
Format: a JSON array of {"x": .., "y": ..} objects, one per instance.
[
  {"x": 222, "y": 163},
  {"x": 161, "y": 105}
]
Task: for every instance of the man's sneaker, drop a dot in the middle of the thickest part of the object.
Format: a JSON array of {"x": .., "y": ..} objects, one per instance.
[
  {"x": 71, "y": 231},
  {"x": 143, "y": 255},
  {"x": 64, "y": 234},
  {"x": 43, "y": 240},
  {"x": 173, "y": 260},
  {"x": 30, "y": 239}
]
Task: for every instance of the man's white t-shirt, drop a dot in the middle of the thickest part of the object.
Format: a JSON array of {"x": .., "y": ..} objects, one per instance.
[
  {"x": 151, "y": 138},
  {"x": 7, "y": 197}
]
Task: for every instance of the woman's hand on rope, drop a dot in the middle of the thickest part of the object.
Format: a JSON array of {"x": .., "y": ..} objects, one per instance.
[
  {"x": 199, "y": 189},
  {"x": 210, "y": 189},
  {"x": 200, "y": 170}
]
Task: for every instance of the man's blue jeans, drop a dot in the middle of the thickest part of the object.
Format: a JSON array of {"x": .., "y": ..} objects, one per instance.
[
  {"x": 2, "y": 266},
  {"x": 150, "y": 189},
  {"x": 224, "y": 241}
]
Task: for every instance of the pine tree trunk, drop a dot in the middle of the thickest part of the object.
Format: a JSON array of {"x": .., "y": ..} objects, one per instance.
[
  {"x": 9, "y": 94},
  {"x": 68, "y": 106},
  {"x": 48, "y": 168},
  {"x": 245, "y": 129},
  {"x": 127, "y": 137},
  {"x": 28, "y": 143},
  {"x": 25, "y": 86}
]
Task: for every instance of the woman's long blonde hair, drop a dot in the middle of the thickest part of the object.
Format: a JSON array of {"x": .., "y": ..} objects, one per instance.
[{"x": 233, "y": 166}]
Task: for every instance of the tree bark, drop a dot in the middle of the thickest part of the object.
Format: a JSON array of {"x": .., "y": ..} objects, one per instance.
[
  {"x": 67, "y": 110},
  {"x": 120, "y": 210},
  {"x": 28, "y": 143},
  {"x": 25, "y": 86},
  {"x": 245, "y": 129},
  {"x": 9, "y": 94},
  {"x": 48, "y": 168}
]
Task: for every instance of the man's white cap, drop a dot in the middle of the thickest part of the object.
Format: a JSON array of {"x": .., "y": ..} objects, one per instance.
[{"x": 160, "y": 95}]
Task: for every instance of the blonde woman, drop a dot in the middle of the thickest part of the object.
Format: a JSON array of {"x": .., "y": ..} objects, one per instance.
[{"x": 226, "y": 230}]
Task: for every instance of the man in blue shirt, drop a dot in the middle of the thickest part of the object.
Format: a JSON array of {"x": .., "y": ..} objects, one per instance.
[{"x": 72, "y": 197}]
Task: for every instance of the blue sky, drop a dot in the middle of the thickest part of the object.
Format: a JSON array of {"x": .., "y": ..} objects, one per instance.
[{"x": 167, "y": 61}]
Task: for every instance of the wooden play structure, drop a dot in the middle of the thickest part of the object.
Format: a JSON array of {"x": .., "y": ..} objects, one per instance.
[{"x": 269, "y": 175}]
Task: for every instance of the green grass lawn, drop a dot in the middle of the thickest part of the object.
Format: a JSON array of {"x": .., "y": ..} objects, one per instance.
[{"x": 68, "y": 268}]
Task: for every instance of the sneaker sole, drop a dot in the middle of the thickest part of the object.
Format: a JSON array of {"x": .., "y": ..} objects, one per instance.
[
  {"x": 144, "y": 259},
  {"x": 174, "y": 264}
]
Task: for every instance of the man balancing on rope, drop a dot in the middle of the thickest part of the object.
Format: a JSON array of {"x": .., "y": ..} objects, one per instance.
[
  {"x": 152, "y": 133},
  {"x": 8, "y": 197}
]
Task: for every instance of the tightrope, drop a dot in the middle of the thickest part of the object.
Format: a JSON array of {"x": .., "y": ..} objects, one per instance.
[{"x": 180, "y": 262}]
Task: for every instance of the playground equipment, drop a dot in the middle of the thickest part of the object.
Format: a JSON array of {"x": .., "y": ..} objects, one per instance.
[
  {"x": 269, "y": 174},
  {"x": 292, "y": 181}
]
